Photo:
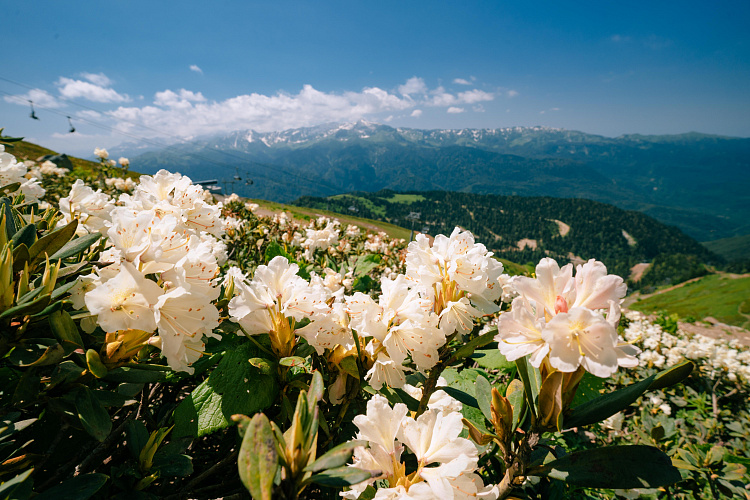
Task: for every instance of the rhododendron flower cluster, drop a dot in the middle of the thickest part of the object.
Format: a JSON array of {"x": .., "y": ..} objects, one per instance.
[
  {"x": 164, "y": 259},
  {"x": 446, "y": 463},
  {"x": 446, "y": 287},
  {"x": 567, "y": 321}
]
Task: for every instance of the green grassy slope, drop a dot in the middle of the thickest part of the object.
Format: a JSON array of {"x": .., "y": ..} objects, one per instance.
[
  {"x": 309, "y": 213},
  {"x": 718, "y": 295}
]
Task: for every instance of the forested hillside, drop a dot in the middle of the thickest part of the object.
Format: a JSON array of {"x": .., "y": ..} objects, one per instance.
[{"x": 525, "y": 229}]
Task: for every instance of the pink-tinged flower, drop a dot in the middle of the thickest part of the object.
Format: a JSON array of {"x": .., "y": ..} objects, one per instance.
[{"x": 582, "y": 337}]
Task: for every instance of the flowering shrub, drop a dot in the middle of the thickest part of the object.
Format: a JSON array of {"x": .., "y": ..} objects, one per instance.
[{"x": 143, "y": 323}]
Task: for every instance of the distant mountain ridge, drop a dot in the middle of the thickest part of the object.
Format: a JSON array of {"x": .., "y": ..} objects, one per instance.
[{"x": 698, "y": 182}]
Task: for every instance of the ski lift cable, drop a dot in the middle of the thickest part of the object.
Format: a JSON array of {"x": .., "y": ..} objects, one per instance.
[
  {"x": 275, "y": 168},
  {"x": 180, "y": 139}
]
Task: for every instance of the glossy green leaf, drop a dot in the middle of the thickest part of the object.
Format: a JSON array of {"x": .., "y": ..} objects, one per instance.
[
  {"x": 50, "y": 243},
  {"x": 335, "y": 457},
  {"x": 25, "y": 236},
  {"x": 672, "y": 376},
  {"x": 340, "y": 477},
  {"x": 136, "y": 437},
  {"x": 605, "y": 406},
  {"x": 27, "y": 308},
  {"x": 17, "y": 487},
  {"x": 633, "y": 466},
  {"x": 65, "y": 331},
  {"x": 76, "y": 488},
  {"x": 477, "y": 342},
  {"x": 515, "y": 396},
  {"x": 234, "y": 387},
  {"x": 493, "y": 359},
  {"x": 93, "y": 416},
  {"x": 484, "y": 396},
  {"x": 76, "y": 246},
  {"x": 258, "y": 458},
  {"x": 134, "y": 375}
]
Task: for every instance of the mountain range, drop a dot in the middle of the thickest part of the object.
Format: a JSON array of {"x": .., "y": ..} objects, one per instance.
[{"x": 697, "y": 182}]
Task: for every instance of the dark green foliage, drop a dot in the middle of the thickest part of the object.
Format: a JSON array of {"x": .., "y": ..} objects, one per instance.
[{"x": 500, "y": 222}]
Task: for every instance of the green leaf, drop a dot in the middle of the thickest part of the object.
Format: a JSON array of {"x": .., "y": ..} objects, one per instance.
[
  {"x": 93, "y": 416},
  {"x": 340, "y": 477},
  {"x": 335, "y": 457},
  {"x": 590, "y": 387},
  {"x": 76, "y": 246},
  {"x": 16, "y": 487},
  {"x": 172, "y": 464},
  {"x": 10, "y": 220},
  {"x": 532, "y": 382},
  {"x": 75, "y": 488},
  {"x": 515, "y": 396},
  {"x": 25, "y": 236},
  {"x": 493, "y": 359},
  {"x": 134, "y": 375},
  {"x": 136, "y": 437},
  {"x": 462, "y": 396},
  {"x": 315, "y": 392},
  {"x": 20, "y": 257},
  {"x": 622, "y": 467},
  {"x": 27, "y": 308},
  {"x": 51, "y": 243},
  {"x": 605, "y": 406},
  {"x": 477, "y": 342},
  {"x": 672, "y": 376},
  {"x": 258, "y": 458},
  {"x": 65, "y": 331},
  {"x": 366, "y": 263},
  {"x": 51, "y": 356},
  {"x": 484, "y": 396},
  {"x": 235, "y": 386}
]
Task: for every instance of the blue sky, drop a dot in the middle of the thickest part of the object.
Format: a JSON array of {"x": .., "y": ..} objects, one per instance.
[{"x": 602, "y": 67}]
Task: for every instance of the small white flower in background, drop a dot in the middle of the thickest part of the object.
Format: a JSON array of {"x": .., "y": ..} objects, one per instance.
[
  {"x": 124, "y": 162},
  {"x": 101, "y": 153},
  {"x": 112, "y": 163},
  {"x": 252, "y": 206},
  {"x": 232, "y": 198}
]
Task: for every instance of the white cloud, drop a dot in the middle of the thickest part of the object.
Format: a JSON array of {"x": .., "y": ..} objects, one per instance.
[
  {"x": 41, "y": 98},
  {"x": 74, "y": 89},
  {"x": 413, "y": 86},
  {"x": 479, "y": 108},
  {"x": 619, "y": 38},
  {"x": 512, "y": 93},
  {"x": 194, "y": 67},
  {"x": 181, "y": 98},
  {"x": 554, "y": 109},
  {"x": 474, "y": 96},
  {"x": 99, "y": 79},
  {"x": 461, "y": 81},
  {"x": 186, "y": 113}
]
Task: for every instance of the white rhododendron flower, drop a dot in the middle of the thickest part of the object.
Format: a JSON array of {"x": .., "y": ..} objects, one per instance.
[
  {"x": 446, "y": 463},
  {"x": 101, "y": 153},
  {"x": 125, "y": 301},
  {"x": 163, "y": 258},
  {"x": 569, "y": 321}
]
